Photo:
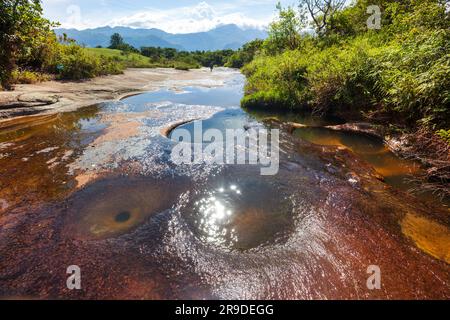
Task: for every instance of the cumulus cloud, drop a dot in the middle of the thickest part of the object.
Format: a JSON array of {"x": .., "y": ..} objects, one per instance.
[{"x": 198, "y": 18}]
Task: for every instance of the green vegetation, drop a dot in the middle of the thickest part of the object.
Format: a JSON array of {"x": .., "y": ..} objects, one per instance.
[
  {"x": 170, "y": 58},
  {"x": 245, "y": 55},
  {"x": 118, "y": 43},
  {"x": 179, "y": 59},
  {"x": 29, "y": 77},
  {"x": 212, "y": 58},
  {"x": 30, "y": 51},
  {"x": 75, "y": 62},
  {"x": 444, "y": 135},
  {"x": 24, "y": 37},
  {"x": 398, "y": 74},
  {"x": 126, "y": 59}
]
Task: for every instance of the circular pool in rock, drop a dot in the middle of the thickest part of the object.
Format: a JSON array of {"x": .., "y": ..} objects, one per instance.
[
  {"x": 229, "y": 119},
  {"x": 239, "y": 213},
  {"x": 114, "y": 207}
]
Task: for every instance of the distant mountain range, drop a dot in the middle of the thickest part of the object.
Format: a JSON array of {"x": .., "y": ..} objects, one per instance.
[{"x": 224, "y": 37}]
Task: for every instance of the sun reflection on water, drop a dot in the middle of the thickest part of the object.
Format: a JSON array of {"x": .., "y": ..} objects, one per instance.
[
  {"x": 216, "y": 212},
  {"x": 239, "y": 216}
]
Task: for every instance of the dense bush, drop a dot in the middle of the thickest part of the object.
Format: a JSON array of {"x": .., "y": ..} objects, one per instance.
[
  {"x": 29, "y": 77},
  {"x": 400, "y": 73},
  {"x": 23, "y": 32},
  {"x": 277, "y": 81},
  {"x": 75, "y": 62}
]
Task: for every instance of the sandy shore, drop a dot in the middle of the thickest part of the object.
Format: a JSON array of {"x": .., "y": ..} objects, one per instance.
[{"x": 62, "y": 96}]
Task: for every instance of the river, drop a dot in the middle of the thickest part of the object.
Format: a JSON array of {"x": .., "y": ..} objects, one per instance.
[{"x": 96, "y": 188}]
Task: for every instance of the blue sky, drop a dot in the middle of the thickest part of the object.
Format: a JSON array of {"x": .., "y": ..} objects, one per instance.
[{"x": 181, "y": 16}]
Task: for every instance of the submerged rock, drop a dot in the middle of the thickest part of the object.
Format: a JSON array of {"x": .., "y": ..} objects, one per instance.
[{"x": 361, "y": 127}]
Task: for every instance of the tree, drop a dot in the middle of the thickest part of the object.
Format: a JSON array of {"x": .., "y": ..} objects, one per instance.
[
  {"x": 321, "y": 12},
  {"x": 116, "y": 41},
  {"x": 245, "y": 55},
  {"x": 22, "y": 28},
  {"x": 284, "y": 33}
]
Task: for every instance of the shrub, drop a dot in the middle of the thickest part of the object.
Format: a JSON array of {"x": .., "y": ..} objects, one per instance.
[
  {"x": 401, "y": 73},
  {"x": 444, "y": 135},
  {"x": 22, "y": 29},
  {"x": 29, "y": 77},
  {"x": 279, "y": 80},
  {"x": 77, "y": 63}
]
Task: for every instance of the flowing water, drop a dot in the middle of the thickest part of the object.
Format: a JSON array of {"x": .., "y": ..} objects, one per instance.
[{"x": 97, "y": 188}]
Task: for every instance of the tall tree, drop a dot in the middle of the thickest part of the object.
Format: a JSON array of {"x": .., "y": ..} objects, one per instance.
[
  {"x": 116, "y": 41},
  {"x": 284, "y": 33},
  {"x": 21, "y": 27},
  {"x": 321, "y": 12}
]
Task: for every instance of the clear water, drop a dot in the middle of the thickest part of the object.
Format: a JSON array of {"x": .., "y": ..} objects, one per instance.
[{"x": 96, "y": 188}]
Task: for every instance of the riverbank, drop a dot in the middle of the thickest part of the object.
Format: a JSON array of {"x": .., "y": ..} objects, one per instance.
[
  {"x": 62, "y": 96},
  {"x": 422, "y": 146}
]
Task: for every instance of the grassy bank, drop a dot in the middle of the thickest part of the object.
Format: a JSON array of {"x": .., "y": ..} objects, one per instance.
[
  {"x": 129, "y": 59},
  {"x": 399, "y": 74},
  {"x": 73, "y": 62},
  {"x": 126, "y": 59}
]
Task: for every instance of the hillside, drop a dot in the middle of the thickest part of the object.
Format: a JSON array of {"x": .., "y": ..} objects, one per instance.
[
  {"x": 133, "y": 60},
  {"x": 223, "y": 37}
]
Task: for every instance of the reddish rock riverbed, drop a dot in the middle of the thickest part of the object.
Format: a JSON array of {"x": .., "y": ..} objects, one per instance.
[{"x": 96, "y": 188}]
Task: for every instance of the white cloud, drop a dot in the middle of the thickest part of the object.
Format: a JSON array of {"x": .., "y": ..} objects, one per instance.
[
  {"x": 198, "y": 18},
  {"x": 179, "y": 19}
]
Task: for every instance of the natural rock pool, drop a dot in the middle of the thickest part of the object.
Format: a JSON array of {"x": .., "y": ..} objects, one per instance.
[{"x": 96, "y": 188}]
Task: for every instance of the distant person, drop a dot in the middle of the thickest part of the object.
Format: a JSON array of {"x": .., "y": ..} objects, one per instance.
[{"x": 211, "y": 66}]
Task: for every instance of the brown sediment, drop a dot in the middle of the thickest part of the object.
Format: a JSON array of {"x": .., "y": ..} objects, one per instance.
[
  {"x": 19, "y": 123},
  {"x": 361, "y": 128},
  {"x": 126, "y": 116},
  {"x": 330, "y": 141},
  {"x": 422, "y": 145},
  {"x": 295, "y": 125},
  {"x": 121, "y": 126},
  {"x": 431, "y": 237},
  {"x": 426, "y": 147},
  {"x": 85, "y": 178},
  {"x": 396, "y": 167},
  {"x": 122, "y": 236},
  {"x": 381, "y": 158},
  {"x": 119, "y": 131}
]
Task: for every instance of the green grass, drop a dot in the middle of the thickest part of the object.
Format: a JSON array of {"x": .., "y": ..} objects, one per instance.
[
  {"x": 136, "y": 60},
  {"x": 129, "y": 60}
]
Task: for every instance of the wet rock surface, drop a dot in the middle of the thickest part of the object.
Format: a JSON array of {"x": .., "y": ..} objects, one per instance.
[
  {"x": 61, "y": 96},
  {"x": 140, "y": 227}
]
